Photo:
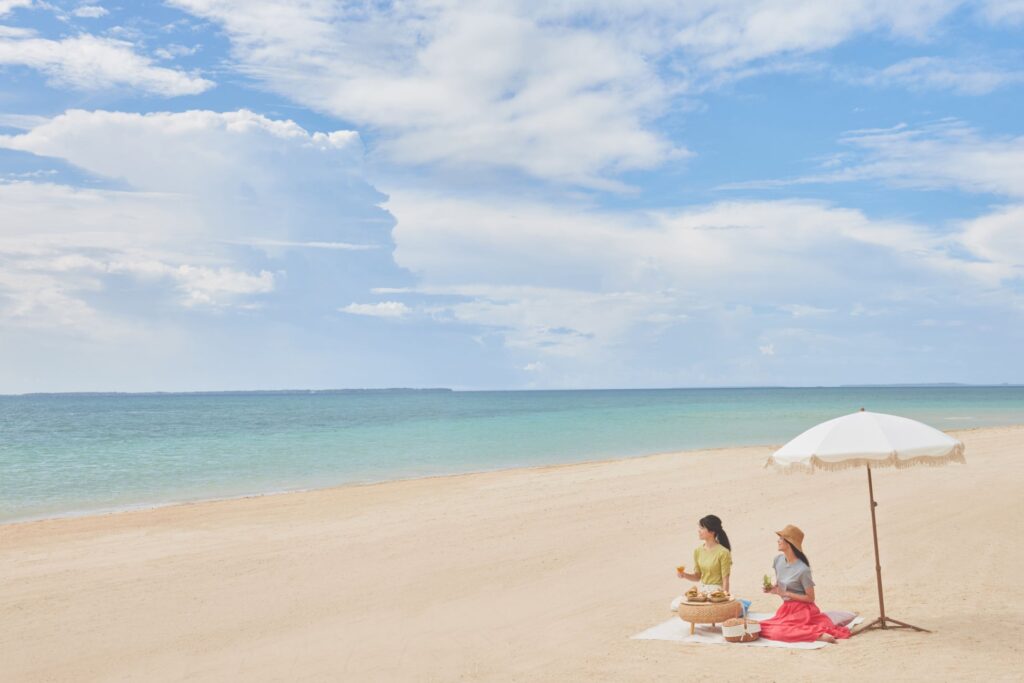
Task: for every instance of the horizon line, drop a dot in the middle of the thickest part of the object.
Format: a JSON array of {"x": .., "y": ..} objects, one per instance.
[{"x": 225, "y": 392}]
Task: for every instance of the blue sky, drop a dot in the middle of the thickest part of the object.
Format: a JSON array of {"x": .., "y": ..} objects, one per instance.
[{"x": 218, "y": 194}]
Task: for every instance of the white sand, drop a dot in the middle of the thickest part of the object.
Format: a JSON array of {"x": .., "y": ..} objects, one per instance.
[{"x": 534, "y": 574}]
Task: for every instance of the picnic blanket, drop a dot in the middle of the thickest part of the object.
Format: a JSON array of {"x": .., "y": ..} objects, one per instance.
[{"x": 677, "y": 630}]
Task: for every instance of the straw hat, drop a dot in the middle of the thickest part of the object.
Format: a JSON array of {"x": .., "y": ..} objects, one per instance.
[{"x": 793, "y": 535}]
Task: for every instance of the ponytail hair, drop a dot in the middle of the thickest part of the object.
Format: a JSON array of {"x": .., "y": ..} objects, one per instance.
[
  {"x": 799, "y": 553},
  {"x": 714, "y": 525}
]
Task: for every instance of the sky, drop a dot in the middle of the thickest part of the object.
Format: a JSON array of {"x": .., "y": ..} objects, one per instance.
[{"x": 247, "y": 194}]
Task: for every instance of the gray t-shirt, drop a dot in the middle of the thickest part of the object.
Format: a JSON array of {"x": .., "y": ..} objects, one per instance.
[{"x": 793, "y": 578}]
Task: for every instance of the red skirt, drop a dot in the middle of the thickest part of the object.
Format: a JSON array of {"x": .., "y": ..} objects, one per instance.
[{"x": 800, "y": 622}]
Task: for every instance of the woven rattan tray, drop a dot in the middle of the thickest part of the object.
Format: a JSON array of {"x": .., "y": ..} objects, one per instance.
[{"x": 709, "y": 612}]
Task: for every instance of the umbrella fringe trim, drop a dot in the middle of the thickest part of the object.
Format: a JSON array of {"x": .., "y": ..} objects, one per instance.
[{"x": 955, "y": 455}]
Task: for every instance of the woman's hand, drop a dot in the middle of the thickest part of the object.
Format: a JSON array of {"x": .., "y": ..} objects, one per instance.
[{"x": 774, "y": 590}]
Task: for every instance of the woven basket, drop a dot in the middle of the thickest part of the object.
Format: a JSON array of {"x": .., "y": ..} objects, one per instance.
[
  {"x": 741, "y": 631},
  {"x": 710, "y": 612}
]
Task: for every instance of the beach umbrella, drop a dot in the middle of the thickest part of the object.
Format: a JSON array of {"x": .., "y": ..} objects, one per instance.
[{"x": 869, "y": 440}]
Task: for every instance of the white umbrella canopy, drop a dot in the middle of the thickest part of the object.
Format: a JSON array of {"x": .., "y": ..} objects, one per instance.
[
  {"x": 869, "y": 440},
  {"x": 866, "y": 438}
]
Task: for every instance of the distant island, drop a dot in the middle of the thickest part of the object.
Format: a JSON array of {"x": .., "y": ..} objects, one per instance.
[
  {"x": 921, "y": 386},
  {"x": 245, "y": 392}
]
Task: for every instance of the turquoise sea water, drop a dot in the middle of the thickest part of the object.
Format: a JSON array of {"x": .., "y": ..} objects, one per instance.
[{"x": 64, "y": 454}]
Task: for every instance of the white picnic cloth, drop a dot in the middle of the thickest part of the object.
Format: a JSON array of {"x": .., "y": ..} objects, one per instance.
[{"x": 677, "y": 630}]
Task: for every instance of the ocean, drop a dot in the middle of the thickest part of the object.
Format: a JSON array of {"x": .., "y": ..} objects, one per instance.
[{"x": 85, "y": 453}]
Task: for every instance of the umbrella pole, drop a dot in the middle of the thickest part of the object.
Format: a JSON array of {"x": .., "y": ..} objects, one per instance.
[
  {"x": 882, "y": 621},
  {"x": 874, "y": 538}
]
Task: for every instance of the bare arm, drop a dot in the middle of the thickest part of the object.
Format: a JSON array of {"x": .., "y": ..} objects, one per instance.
[{"x": 725, "y": 583}]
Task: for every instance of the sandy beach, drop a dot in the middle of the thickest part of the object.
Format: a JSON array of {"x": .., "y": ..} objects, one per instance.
[{"x": 532, "y": 574}]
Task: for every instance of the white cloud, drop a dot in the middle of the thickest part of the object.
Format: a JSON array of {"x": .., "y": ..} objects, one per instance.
[
  {"x": 214, "y": 154},
  {"x": 39, "y": 301},
  {"x": 803, "y": 310},
  {"x": 46, "y": 216},
  {"x": 560, "y": 322},
  {"x": 860, "y": 309},
  {"x": 947, "y": 154},
  {"x": 90, "y": 11},
  {"x": 393, "y": 290},
  {"x": 730, "y": 34},
  {"x": 931, "y": 322},
  {"x": 767, "y": 349},
  {"x": 572, "y": 282},
  {"x": 335, "y": 246},
  {"x": 15, "y": 32},
  {"x": 7, "y": 5},
  {"x": 459, "y": 86},
  {"x": 30, "y": 175},
  {"x": 151, "y": 290},
  {"x": 62, "y": 250},
  {"x": 221, "y": 211},
  {"x": 934, "y": 73},
  {"x": 729, "y": 244},
  {"x": 86, "y": 62},
  {"x": 383, "y": 309},
  {"x": 175, "y": 51},
  {"x": 22, "y": 121},
  {"x": 1009, "y": 12},
  {"x": 998, "y": 237},
  {"x": 560, "y": 91},
  {"x": 203, "y": 285}
]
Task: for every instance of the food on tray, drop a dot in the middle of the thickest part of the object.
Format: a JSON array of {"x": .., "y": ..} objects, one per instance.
[
  {"x": 719, "y": 596},
  {"x": 694, "y": 595}
]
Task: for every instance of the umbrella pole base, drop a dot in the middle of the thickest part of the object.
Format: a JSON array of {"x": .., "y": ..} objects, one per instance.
[{"x": 884, "y": 623}]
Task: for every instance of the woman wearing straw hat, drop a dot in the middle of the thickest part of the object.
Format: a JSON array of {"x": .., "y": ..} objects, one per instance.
[{"x": 798, "y": 619}]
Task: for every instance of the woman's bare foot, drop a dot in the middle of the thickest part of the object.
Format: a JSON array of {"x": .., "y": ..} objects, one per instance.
[{"x": 827, "y": 638}]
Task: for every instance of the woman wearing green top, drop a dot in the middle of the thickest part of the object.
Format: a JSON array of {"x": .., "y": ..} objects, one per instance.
[{"x": 712, "y": 560}]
